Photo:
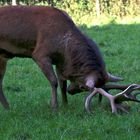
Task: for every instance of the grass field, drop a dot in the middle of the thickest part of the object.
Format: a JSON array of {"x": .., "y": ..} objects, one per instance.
[{"x": 28, "y": 93}]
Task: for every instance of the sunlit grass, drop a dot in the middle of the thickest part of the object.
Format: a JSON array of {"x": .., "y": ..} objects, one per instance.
[
  {"x": 90, "y": 20},
  {"x": 104, "y": 20},
  {"x": 28, "y": 93}
]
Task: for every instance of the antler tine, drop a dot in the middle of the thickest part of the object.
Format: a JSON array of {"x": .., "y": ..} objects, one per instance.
[
  {"x": 128, "y": 90},
  {"x": 112, "y": 78},
  {"x": 115, "y": 86},
  {"x": 88, "y": 100},
  {"x": 111, "y": 99},
  {"x": 126, "y": 95},
  {"x": 122, "y": 107},
  {"x": 104, "y": 93},
  {"x": 133, "y": 97},
  {"x": 115, "y": 100}
]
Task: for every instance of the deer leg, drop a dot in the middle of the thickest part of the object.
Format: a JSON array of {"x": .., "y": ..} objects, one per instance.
[
  {"x": 63, "y": 87},
  {"x": 46, "y": 66},
  {"x": 2, "y": 72}
]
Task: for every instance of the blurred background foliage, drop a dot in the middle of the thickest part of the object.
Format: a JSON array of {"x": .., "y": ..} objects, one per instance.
[{"x": 85, "y": 10}]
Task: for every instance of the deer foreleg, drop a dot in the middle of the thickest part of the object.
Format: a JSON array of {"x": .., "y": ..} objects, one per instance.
[
  {"x": 46, "y": 66},
  {"x": 63, "y": 87},
  {"x": 2, "y": 72}
]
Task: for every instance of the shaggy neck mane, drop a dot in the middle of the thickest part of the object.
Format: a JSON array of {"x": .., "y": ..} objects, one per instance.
[
  {"x": 82, "y": 54},
  {"x": 83, "y": 57}
]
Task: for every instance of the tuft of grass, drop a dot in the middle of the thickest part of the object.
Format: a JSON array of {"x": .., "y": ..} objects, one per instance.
[{"x": 28, "y": 92}]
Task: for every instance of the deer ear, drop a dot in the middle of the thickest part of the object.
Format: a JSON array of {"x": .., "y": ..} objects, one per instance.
[{"x": 90, "y": 83}]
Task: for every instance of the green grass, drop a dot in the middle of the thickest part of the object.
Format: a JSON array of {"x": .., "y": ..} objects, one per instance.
[{"x": 28, "y": 92}]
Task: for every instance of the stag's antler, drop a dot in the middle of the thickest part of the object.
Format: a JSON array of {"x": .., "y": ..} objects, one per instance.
[
  {"x": 112, "y": 78},
  {"x": 115, "y": 100}
]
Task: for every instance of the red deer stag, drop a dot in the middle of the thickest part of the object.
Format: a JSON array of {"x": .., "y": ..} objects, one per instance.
[{"x": 49, "y": 37}]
